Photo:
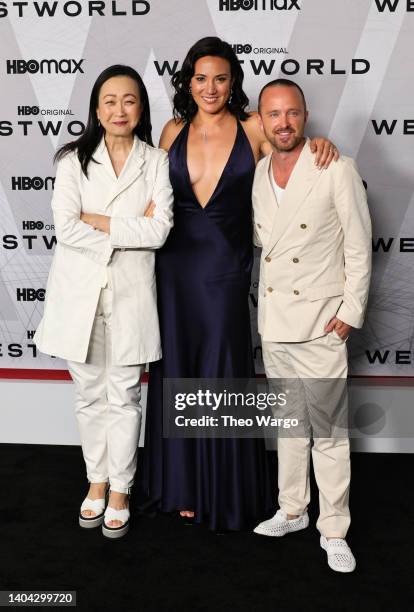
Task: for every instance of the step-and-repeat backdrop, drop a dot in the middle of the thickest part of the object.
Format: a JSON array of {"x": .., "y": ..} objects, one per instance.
[{"x": 353, "y": 59}]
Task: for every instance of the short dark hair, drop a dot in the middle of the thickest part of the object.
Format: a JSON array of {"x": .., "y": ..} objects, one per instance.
[
  {"x": 184, "y": 106},
  {"x": 282, "y": 83},
  {"x": 86, "y": 144}
]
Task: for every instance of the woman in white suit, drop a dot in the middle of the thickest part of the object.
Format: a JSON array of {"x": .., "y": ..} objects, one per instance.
[{"x": 112, "y": 207}]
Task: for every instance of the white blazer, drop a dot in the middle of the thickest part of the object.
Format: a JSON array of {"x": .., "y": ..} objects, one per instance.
[
  {"x": 83, "y": 255},
  {"x": 316, "y": 256}
]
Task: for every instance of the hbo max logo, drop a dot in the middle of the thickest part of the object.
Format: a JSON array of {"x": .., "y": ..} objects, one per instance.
[
  {"x": 44, "y": 66},
  {"x": 258, "y": 5}
]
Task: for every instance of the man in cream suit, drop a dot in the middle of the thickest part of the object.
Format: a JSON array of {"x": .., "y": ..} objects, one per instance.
[{"x": 314, "y": 229}]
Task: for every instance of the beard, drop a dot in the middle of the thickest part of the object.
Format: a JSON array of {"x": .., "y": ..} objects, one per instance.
[{"x": 285, "y": 147}]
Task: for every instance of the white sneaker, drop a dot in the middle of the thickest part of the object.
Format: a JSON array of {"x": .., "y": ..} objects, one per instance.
[
  {"x": 279, "y": 525},
  {"x": 340, "y": 557}
]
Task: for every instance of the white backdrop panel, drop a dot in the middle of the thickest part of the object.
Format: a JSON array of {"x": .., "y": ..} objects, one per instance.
[{"x": 352, "y": 58}]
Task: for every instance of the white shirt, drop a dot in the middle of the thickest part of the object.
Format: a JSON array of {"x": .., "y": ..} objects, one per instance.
[{"x": 278, "y": 191}]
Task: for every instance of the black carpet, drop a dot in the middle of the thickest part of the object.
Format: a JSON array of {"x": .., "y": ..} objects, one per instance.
[{"x": 164, "y": 565}]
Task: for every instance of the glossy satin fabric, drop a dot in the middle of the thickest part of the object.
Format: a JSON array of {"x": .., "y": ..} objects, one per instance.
[{"x": 203, "y": 280}]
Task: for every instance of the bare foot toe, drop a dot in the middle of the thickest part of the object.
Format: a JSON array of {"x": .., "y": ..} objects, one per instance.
[
  {"x": 115, "y": 524},
  {"x": 88, "y": 513}
]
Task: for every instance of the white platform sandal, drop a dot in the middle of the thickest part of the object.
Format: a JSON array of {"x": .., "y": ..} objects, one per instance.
[
  {"x": 115, "y": 515},
  {"x": 95, "y": 505}
]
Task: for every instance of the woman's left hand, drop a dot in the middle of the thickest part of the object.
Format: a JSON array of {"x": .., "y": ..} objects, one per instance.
[
  {"x": 98, "y": 222},
  {"x": 325, "y": 151},
  {"x": 150, "y": 210}
]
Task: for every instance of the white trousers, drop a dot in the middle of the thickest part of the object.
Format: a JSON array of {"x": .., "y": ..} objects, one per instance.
[
  {"x": 107, "y": 406},
  {"x": 321, "y": 406}
]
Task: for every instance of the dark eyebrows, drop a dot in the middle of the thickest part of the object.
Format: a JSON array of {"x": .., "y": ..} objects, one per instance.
[
  {"x": 217, "y": 75},
  {"x": 109, "y": 95}
]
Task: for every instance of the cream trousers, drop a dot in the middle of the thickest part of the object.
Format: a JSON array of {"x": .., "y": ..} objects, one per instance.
[
  {"x": 107, "y": 406},
  {"x": 315, "y": 373}
]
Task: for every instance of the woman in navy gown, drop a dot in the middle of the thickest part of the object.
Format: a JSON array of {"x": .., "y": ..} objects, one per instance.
[{"x": 203, "y": 280}]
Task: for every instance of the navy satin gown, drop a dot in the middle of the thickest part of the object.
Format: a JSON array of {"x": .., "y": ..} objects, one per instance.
[{"x": 203, "y": 280}]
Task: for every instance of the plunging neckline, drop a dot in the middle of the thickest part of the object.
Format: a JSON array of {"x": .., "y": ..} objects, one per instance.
[{"x": 197, "y": 201}]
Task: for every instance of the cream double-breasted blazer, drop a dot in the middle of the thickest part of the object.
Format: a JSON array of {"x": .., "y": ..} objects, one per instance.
[
  {"x": 316, "y": 249},
  {"x": 84, "y": 258}
]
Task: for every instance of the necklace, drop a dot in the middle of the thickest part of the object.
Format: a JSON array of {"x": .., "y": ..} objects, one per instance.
[{"x": 203, "y": 132}]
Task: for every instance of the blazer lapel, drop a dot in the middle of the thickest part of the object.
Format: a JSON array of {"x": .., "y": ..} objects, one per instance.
[
  {"x": 102, "y": 157},
  {"x": 266, "y": 193},
  {"x": 130, "y": 172},
  {"x": 303, "y": 178},
  {"x": 132, "y": 168}
]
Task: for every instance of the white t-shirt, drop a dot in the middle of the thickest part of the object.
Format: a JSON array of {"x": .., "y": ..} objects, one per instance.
[{"x": 278, "y": 191}]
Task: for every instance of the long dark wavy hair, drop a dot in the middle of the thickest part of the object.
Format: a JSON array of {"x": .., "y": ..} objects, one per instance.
[
  {"x": 86, "y": 144},
  {"x": 184, "y": 106}
]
